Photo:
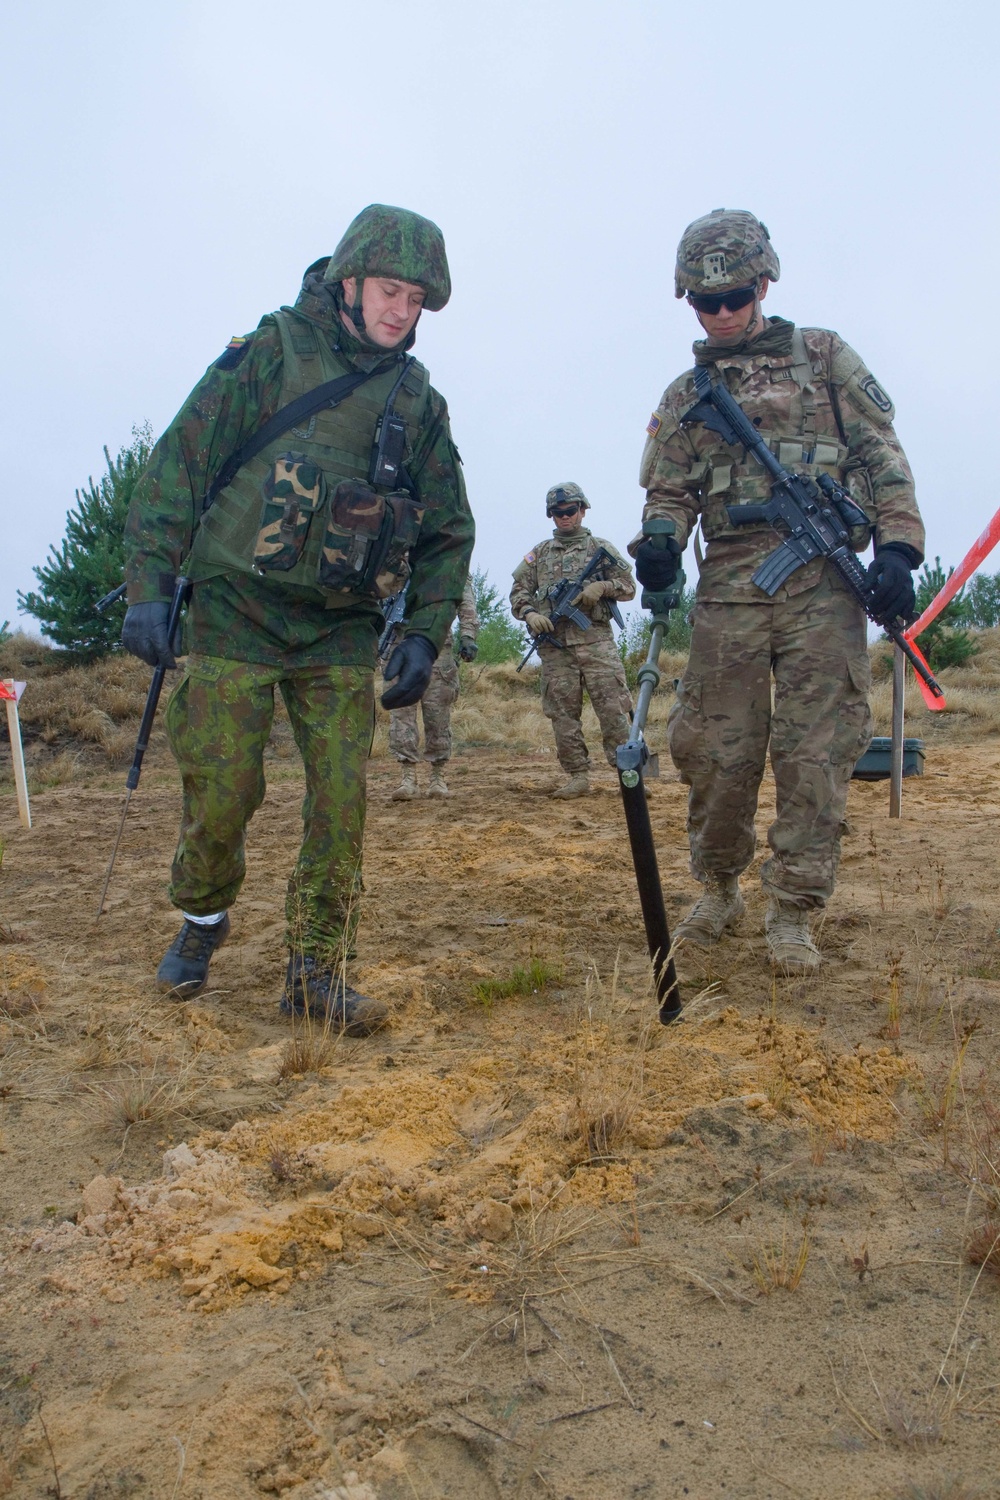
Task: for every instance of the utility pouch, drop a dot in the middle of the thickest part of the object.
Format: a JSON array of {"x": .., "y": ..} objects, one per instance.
[
  {"x": 858, "y": 483},
  {"x": 358, "y": 529},
  {"x": 293, "y": 491},
  {"x": 393, "y": 567},
  {"x": 388, "y": 449}
]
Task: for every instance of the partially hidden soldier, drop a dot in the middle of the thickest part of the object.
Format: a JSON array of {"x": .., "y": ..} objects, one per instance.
[
  {"x": 289, "y": 546},
  {"x": 821, "y": 411},
  {"x": 435, "y": 708},
  {"x": 582, "y": 658}
]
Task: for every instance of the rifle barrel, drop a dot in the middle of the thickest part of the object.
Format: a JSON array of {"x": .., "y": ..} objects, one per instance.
[{"x": 182, "y": 589}]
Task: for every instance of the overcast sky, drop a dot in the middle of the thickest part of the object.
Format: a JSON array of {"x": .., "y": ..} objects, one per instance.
[{"x": 170, "y": 169}]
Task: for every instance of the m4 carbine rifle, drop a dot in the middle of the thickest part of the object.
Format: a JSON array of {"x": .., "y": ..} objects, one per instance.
[
  {"x": 560, "y": 603},
  {"x": 818, "y": 514},
  {"x": 393, "y": 612}
]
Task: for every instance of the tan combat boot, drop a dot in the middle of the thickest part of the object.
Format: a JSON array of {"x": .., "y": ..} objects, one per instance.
[
  {"x": 791, "y": 948},
  {"x": 718, "y": 907},
  {"x": 407, "y": 789},
  {"x": 438, "y": 786},
  {"x": 576, "y": 786}
]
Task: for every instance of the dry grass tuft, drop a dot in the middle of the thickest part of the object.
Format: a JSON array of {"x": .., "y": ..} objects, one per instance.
[
  {"x": 609, "y": 1067},
  {"x": 310, "y": 1050},
  {"x": 946, "y": 1487},
  {"x": 782, "y": 1266},
  {"x": 145, "y": 1095}
]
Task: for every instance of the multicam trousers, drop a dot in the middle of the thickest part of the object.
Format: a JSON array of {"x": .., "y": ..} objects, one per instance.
[
  {"x": 435, "y": 705},
  {"x": 597, "y": 666},
  {"x": 218, "y": 720},
  {"x": 723, "y": 720}
]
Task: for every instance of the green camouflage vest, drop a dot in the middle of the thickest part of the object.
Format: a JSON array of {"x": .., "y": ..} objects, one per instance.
[
  {"x": 811, "y": 444},
  {"x": 302, "y": 512}
]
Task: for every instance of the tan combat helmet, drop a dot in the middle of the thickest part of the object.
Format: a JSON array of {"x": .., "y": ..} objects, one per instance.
[
  {"x": 565, "y": 494},
  {"x": 725, "y": 249}
]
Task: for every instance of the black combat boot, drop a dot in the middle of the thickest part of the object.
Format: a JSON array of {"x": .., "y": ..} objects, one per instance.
[
  {"x": 184, "y": 970},
  {"x": 321, "y": 992}
]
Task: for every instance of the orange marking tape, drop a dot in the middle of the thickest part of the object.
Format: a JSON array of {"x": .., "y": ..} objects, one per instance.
[{"x": 977, "y": 553}]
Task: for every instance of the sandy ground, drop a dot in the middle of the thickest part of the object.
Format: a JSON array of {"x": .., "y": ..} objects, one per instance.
[{"x": 527, "y": 1246}]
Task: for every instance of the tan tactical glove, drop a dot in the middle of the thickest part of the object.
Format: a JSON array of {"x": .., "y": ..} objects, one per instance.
[
  {"x": 597, "y": 588},
  {"x": 536, "y": 623}
]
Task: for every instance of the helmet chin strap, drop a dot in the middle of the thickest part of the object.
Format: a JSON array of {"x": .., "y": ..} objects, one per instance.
[{"x": 355, "y": 312}]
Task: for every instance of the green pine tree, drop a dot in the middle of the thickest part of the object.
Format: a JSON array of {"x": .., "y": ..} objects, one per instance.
[
  {"x": 980, "y": 602},
  {"x": 500, "y": 638},
  {"x": 944, "y": 642},
  {"x": 91, "y": 559}
]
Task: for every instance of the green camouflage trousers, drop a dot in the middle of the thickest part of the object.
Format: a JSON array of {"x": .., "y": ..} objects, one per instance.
[
  {"x": 218, "y": 719},
  {"x": 435, "y": 705},
  {"x": 723, "y": 720},
  {"x": 596, "y": 665}
]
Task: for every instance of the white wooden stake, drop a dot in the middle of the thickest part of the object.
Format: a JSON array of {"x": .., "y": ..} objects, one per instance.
[{"x": 15, "y": 689}]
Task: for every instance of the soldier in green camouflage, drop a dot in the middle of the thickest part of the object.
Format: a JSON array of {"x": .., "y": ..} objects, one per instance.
[
  {"x": 435, "y": 709},
  {"x": 312, "y": 520},
  {"x": 583, "y": 658},
  {"x": 822, "y": 412}
]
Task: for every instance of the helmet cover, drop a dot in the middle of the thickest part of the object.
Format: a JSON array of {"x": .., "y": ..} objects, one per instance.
[
  {"x": 728, "y": 248},
  {"x": 386, "y": 241}
]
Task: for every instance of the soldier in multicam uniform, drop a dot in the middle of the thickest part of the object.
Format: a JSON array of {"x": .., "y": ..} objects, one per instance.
[
  {"x": 589, "y": 658},
  {"x": 435, "y": 707},
  {"x": 821, "y": 411},
  {"x": 288, "y": 567}
]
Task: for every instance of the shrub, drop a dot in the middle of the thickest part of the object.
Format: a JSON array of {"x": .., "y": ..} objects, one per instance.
[
  {"x": 633, "y": 643},
  {"x": 500, "y": 638},
  {"x": 91, "y": 560},
  {"x": 944, "y": 642}
]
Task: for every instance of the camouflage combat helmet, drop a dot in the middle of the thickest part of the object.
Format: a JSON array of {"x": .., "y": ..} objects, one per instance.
[
  {"x": 564, "y": 494},
  {"x": 386, "y": 241},
  {"x": 725, "y": 249}
]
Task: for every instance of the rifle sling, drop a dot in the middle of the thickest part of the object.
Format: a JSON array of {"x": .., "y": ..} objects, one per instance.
[{"x": 330, "y": 393}]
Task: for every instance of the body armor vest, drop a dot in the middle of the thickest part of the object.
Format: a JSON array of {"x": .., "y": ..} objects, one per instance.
[
  {"x": 806, "y": 436},
  {"x": 308, "y": 512}
]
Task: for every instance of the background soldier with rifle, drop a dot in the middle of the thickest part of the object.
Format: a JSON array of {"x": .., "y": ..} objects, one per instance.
[
  {"x": 435, "y": 708},
  {"x": 823, "y": 416},
  {"x": 576, "y": 657},
  {"x": 310, "y": 473}
]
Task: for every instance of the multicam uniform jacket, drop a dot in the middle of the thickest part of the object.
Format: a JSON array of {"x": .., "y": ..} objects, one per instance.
[
  {"x": 565, "y": 555},
  {"x": 820, "y": 410},
  {"x": 240, "y": 614}
]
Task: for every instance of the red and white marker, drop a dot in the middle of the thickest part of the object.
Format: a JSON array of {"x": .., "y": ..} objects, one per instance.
[{"x": 10, "y": 692}]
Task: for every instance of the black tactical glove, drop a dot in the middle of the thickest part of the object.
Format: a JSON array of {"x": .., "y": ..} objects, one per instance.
[
  {"x": 144, "y": 633},
  {"x": 410, "y": 664},
  {"x": 657, "y": 567},
  {"x": 888, "y": 579},
  {"x": 467, "y": 648}
]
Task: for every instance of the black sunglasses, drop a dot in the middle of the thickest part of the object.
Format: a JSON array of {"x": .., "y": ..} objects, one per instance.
[
  {"x": 565, "y": 510},
  {"x": 713, "y": 302}
]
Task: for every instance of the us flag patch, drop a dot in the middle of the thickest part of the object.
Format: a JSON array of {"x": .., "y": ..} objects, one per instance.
[
  {"x": 653, "y": 425},
  {"x": 529, "y": 557}
]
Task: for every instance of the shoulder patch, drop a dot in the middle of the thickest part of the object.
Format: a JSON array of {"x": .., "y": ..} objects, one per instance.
[
  {"x": 529, "y": 557},
  {"x": 871, "y": 388},
  {"x": 234, "y": 352},
  {"x": 654, "y": 424}
]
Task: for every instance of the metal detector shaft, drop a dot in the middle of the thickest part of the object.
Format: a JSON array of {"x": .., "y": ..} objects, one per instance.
[
  {"x": 631, "y": 759},
  {"x": 182, "y": 588}
]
